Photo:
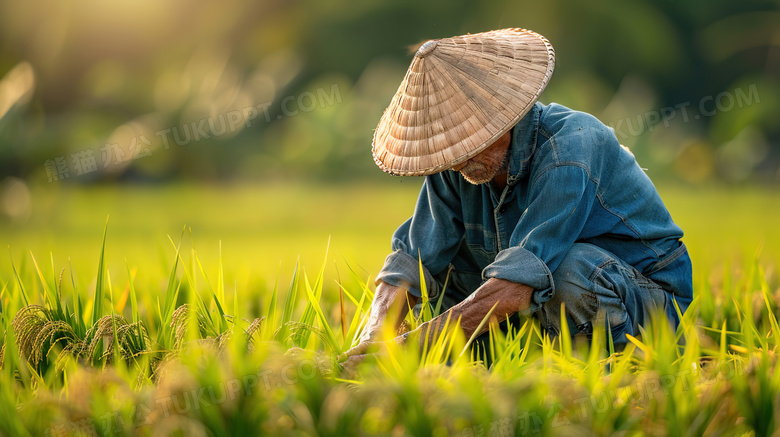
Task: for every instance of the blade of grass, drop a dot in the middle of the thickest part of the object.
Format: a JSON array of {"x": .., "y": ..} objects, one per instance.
[
  {"x": 97, "y": 305},
  {"x": 770, "y": 312},
  {"x": 19, "y": 280},
  {"x": 438, "y": 348},
  {"x": 271, "y": 323},
  {"x": 290, "y": 302},
  {"x": 437, "y": 311},
  {"x": 221, "y": 325},
  {"x": 56, "y": 286},
  {"x": 171, "y": 296},
  {"x": 320, "y": 314},
  {"x": 342, "y": 311},
  {"x": 355, "y": 324},
  {"x": 477, "y": 331},
  {"x": 49, "y": 295},
  {"x": 363, "y": 285},
  {"x": 309, "y": 313},
  {"x": 236, "y": 317},
  {"x": 565, "y": 337},
  {"x": 80, "y": 327},
  {"x": 638, "y": 344},
  {"x": 220, "y": 278},
  {"x": 426, "y": 308},
  {"x": 134, "y": 305},
  {"x": 114, "y": 344}
]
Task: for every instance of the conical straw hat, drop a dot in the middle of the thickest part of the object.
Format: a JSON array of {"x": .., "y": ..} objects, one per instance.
[{"x": 459, "y": 95}]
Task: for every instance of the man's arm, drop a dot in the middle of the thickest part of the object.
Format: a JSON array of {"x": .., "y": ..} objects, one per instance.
[
  {"x": 390, "y": 303},
  {"x": 508, "y": 298},
  {"x": 432, "y": 235}
]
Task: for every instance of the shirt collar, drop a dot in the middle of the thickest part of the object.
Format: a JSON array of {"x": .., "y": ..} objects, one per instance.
[{"x": 523, "y": 144}]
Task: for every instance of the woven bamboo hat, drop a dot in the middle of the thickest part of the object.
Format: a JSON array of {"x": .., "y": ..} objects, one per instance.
[{"x": 459, "y": 95}]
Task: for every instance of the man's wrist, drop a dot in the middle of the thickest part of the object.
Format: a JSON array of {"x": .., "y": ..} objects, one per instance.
[{"x": 512, "y": 296}]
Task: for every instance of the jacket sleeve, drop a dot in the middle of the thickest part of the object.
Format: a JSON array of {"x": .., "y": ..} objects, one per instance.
[
  {"x": 432, "y": 234},
  {"x": 561, "y": 199}
]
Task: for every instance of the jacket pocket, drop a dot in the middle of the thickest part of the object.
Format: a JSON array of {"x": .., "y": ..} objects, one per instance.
[{"x": 481, "y": 242}]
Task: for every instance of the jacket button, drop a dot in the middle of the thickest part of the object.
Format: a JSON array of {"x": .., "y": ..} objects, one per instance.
[{"x": 502, "y": 210}]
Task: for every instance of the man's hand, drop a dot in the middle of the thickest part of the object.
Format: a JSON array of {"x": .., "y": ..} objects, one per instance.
[
  {"x": 508, "y": 298},
  {"x": 350, "y": 366},
  {"x": 503, "y": 297},
  {"x": 390, "y": 304}
]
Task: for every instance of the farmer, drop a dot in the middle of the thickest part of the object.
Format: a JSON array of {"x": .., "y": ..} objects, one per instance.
[{"x": 524, "y": 208}]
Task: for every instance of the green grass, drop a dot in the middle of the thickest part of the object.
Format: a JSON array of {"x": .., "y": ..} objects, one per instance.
[
  {"x": 159, "y": 335},
  {"x": 263, "y": 225},
  {"x": 259, "y": 226}
]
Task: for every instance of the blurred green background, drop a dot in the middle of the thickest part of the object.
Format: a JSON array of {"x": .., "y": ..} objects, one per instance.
[{"x": 251, "y": 122}]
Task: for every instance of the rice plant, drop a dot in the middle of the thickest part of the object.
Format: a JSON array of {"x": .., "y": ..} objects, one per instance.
[{"x": 120, "y": 361}]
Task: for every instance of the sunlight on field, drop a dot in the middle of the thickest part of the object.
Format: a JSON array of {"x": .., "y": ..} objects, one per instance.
[
  {"x": 726, "y": 227},
  {"x": 265, "y": 230},
  {"x": 261, "y": 226}
]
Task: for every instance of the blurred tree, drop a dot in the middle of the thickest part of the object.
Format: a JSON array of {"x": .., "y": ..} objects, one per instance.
[{"x": 198, "y": 89}]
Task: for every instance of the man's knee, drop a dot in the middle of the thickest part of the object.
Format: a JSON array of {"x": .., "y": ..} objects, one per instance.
[
  {"x": 580, "y": 262},
  {"x": 573, "y": 279},
  {"x": 586, "y": 303},
  {"x": 581, "y": 310}
]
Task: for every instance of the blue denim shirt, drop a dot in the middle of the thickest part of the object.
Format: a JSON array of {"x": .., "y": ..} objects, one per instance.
[{"x": 569, "y": 180}]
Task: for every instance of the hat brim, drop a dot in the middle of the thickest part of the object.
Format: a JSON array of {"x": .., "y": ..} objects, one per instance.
[{"x": 460, "y": 95}]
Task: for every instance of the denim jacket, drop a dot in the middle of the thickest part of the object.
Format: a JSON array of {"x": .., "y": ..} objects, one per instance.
[{"x": 569, "y": 180}]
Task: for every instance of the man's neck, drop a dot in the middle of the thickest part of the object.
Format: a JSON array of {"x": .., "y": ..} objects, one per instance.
[{"x": 500, "y": 179}]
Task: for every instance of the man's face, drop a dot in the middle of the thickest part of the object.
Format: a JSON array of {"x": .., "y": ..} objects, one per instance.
[{"x": 483, "y": 168}]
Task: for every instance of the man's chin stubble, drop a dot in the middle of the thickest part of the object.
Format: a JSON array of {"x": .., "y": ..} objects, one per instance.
[
  {"x": 476, "y": 173},
  {"x": 478, "y": 177},
  {"x": 476, "y": 181}
]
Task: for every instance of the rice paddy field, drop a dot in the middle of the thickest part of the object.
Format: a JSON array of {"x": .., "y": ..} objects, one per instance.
[{"x": 222, "y": 309}]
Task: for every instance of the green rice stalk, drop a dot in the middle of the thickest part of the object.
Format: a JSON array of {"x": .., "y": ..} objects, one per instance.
[
  {"x": 426, "y": 313},
  {"x": 236, "y": 317},
  {"x": 775, "y": 328},
  {"x": 320, "y": 314},
  {"x": 37, "y": 334},
  {"x": 220, "y": 278},
  {"x": 194, "y": 298},
  {"x": 134, "y": 304},
  {"x": 438, "y": 352},
  {"x": 355, "y": 324},
  {"x": 267, "y": 333},
  {"x": 309, "y": 313},
  {"x": 296, "y": 328},
  {"x": 437, "y": 311},
  {"x": 78, "y": 312},
  {"x": 50, "y": 296},
  {"x": 289, "y": 304},
  {"x": 97, "y": 305},
  {"x": 255, "y": 326},
  {"x": 188, "y": 325},
  {"x": 565, "y": 336},
  {"x": 113, "y": 331},
  {"x": 171, "y": 295},
  {"x": 342, "y": 311},
  {"x": 22, "y": 291},
  {"x": 477, "y": 331},
  {"x": 221, "y": 324}
]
